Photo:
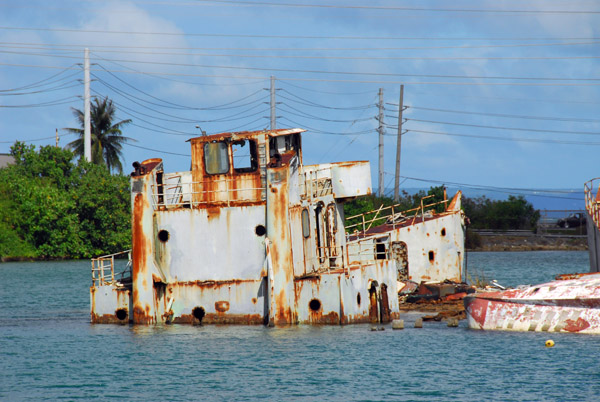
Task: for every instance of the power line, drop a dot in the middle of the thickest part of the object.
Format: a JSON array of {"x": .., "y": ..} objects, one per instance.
[
  {"x": 160, "y": 131},
  {"x": 313, "y": 57},
  {"x": 57, "y": 88},
  {"x": 157, "y": 150},
  {"x": 61, "y": 101},
  {"x": 180, "y": 119},
  {"x": 224, "y": 106},
  {"x": 314, "y": 104},
  {"x": 317, "y": 131},
  {"x": 396, "y": 8},
  {"x": 44, "y": 81},
  {"x": 372, "y": 81},
  {"x": 502, "y": 114},
  {"x": 98, "y": 48},
  {"x": 338, "y": 6},
  {"x": 321, "y": 91},
  {"x": 313, "y": 117},
  {"x": 37, "y": 139},
  {"x": 506, "y": 128},
  {"x": 508, "y": 190},
  {"x": 223, "y": 35},
  {"x": 358, "y": 73},
  {"x": 543, "y": 141}
]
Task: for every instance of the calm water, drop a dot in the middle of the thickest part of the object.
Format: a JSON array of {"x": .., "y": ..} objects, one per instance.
[{"x": 49, "y": 351}]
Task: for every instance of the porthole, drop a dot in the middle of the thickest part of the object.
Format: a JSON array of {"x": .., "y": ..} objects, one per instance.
[
  {"x": 431, "y": 256},
  {"x": 358, "y": 299},
  {"x": 260, "y": 230},
  {"x": 163, "y": 235},
  {"x": 198, "y": 313},
  {"x": 121, "y": 314},
  {"x": 314, "y": 305},
  {"x": 443, "y": 231}
]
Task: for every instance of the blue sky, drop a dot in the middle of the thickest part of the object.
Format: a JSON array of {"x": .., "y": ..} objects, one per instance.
[{"x": 499, "y": 93}]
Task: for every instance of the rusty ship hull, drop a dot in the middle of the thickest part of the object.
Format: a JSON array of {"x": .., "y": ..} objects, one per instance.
[
  {"x": 252, "y": 236},
  {"x": 570, "y": 305}
]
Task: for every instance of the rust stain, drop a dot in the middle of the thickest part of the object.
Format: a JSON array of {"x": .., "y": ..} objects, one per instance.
[
  {"x": 141, "y": 316},
  {"x": 373, "y": 311},
  {"x": 107, "y": 319},
  {"x": 213, "y": 284},
  {"x": 331, "y": 318},
  {"x": 283, "y": 313},
  {"x": 575, "y": 326},
  {"x": 384, "y": 304},
  {"x": 212, "y": 318},
  {"x": 222, "y": 306},
  {"x": 140, "y": 250}
]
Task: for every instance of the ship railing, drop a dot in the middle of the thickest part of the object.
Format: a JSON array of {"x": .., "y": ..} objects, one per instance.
[
  {"x": 363, "y": 251},
  {"x": 316, "y": 183},
  {"x": 394, "y": 215},
  {"x": 106, "y": 269},
  {"x": 173, "y": 192},
  {"x": 592, "y": 200},
  {"x": 376, "y": 247},
  {"x": 186, "y": 194}
]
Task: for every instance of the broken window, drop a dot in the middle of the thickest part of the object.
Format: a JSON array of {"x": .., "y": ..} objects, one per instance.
[
  {"x": 282, "y": 144},
  {"x": 399, "y": 252},
  {"x": 244, "y": 156},
  {"x": 381, "y": 248},
  {"x": 216, "y": 157}
]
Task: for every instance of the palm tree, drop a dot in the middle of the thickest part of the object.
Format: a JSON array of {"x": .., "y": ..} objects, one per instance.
[{"x": 107, "y": 138}]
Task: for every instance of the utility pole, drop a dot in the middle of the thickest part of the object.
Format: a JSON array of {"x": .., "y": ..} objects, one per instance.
[
  {"x": 57, "y": 138},
  {"x": 399, "y": 146},
  {"x": 87, "y": 130},
  {"x": 273, "y": 118},
  {"x": 381, "y": 131}
]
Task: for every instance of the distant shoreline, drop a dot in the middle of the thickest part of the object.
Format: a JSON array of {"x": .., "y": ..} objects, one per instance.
[{"x": 531, "y": 243}]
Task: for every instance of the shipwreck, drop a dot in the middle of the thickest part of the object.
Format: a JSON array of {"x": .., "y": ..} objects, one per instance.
[{"x": 250, "y": 235}]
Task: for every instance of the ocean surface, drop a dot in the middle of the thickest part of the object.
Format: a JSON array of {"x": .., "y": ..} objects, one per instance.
[{"x": 50, "y": 351}]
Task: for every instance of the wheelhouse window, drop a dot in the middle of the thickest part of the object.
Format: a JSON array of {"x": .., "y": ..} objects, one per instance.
[
  {"x": 245, "y": 159},
  {"x": 283, "y": 144},
  {"x": 216, "y": 157}
]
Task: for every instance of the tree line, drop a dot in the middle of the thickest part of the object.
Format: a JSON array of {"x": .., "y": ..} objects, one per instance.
[
  {"x": 54, "y": 207},
  {"x": 514, "y": 213}
]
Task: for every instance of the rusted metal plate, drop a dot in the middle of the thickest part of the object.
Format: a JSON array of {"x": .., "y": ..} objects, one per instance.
[
  {"x": 110, "y": 305},
  {"x": 558, "y": 306},
  {"x": 212, "y": 243},
  {"x": 351, "y": 179}
]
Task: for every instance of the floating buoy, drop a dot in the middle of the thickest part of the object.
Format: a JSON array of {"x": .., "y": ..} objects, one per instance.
[{"x": 549, "y": 343}]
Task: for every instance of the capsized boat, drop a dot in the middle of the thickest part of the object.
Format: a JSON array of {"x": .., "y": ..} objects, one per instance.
[
  {"x": 569, "y": 304},
  {"x": 251, "y": 235}
]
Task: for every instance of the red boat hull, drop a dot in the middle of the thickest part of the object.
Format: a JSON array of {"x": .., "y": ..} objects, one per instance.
[{"x": 559, "y": 306}]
